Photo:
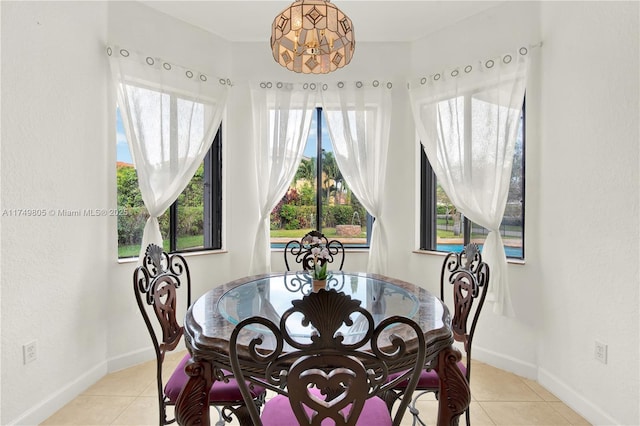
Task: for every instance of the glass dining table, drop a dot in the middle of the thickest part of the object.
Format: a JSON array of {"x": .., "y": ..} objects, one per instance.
[{"x": 211, "y": 319}]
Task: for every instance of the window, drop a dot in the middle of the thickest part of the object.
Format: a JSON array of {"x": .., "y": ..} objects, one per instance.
[
  {"x": 442, "y": 228},
  {"x": 326, "y": 204},
  {"x": 194, "y": 220}
]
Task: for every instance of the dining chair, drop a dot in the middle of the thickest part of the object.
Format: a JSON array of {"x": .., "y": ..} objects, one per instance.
[
  {"x": 319, "y": 369},
  {"x": 155, "y": 284},
  {"x": 468, "y": 276},
  {"x": 300, "y": 251}
]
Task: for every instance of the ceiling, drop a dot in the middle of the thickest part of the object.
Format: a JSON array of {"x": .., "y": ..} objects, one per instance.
[{"x": 373, "y": 20}]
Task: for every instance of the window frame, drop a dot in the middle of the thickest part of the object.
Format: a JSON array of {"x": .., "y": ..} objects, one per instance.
[
  {"x": 319, "y": 150},
  {"x": 427, "y": 211},
  {"x": 212, "y": 203},
  {"x": 318, "y": 188}
]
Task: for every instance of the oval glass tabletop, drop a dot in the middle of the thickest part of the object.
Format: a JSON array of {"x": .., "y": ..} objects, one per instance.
[{"x": 269, "y": 297}]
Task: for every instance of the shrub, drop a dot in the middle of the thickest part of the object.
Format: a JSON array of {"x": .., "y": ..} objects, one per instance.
[
  {"x": 288, "y": 213},
  {"x": 306, "y": 216},
  {"x": 131, "y": 225},
  {"x": 293, "y": 224},
  {"x": 337, "y": 215},
  {"x": 190, "y": 220}
]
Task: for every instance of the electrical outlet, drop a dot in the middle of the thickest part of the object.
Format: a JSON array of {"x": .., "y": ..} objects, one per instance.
[
  {"x": 600, "y": 352},
  {"x": 29, "y": 352}
]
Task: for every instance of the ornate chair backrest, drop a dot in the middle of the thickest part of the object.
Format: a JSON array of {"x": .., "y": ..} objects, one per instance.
[
  {"x": 331, "y": 374},
  {"x": 469, "y": 276},
  {"x": 155, "y": 283},
  {"x": 300, "y": 251}
]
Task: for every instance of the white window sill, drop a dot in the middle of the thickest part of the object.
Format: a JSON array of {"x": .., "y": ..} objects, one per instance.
[{"x": 187, "y": 254}]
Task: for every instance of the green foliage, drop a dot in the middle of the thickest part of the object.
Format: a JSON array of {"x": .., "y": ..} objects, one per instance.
[
  {"x": 292, "y": 212},
  {"x": 297, "y": 209},
  {"x": 131, "y": 224},
  {"x": 288, "y": 214},
  {"x": 306, "y": 170},
  {"x": 193, "y": 194},
  {"x": 128, "y": 191},
  {"x": 320, "y": 272},
  {"x": 292, "y": 224},
  {"x": 337, "y": 215},
  {"x": 307, "y": 195}
]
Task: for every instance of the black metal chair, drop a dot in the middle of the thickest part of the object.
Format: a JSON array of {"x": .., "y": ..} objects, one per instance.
[
  {"x": 155, "y": 284},
  {"x": 469, "y": 277},
  {"x": 300, "y": 251},
  {"x": 329, "y": 375}
]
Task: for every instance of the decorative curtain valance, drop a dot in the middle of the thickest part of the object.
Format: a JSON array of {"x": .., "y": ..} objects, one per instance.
[
  {"x": 467, "y": 119},
  {"x": 170, "y": 115}
]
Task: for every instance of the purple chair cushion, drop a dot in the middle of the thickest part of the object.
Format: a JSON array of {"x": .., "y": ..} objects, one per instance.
[
  {"x": 428, "y": 379},
  {"x": 220, "y": 391},
  {"x": 277, "y": 412}
]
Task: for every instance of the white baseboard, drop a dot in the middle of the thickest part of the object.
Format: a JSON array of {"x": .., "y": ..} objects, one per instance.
[
  {"x": 130, "y": 359},
  {"x": 136, "y": 357},
  {"x": 43, "y": 410},
  {"x": 573, "y": 399},
  {"x": 504, "y": 362},
  {"x": 578, "y": 403}
]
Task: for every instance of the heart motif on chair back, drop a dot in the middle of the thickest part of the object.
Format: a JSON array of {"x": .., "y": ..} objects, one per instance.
[
  {"x": 342, "y": 391},
  {"x": 336, "y": 372}
]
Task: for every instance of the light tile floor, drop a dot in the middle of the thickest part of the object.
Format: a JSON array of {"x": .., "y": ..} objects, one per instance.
[{"x": 128, "y": 397}]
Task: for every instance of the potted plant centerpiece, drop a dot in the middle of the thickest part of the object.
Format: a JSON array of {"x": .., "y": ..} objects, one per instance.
[{"x": 320, "y": 256}]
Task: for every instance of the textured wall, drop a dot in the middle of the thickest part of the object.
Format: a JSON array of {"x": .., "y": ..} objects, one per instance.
[
  {"x": 588, "y": 214},
  {"x": 54, "y": 145}
]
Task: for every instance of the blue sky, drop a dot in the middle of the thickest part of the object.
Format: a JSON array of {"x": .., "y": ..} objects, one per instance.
[
  {"x": 122, "y": 147},
  {"x": 310, "y": 149}
]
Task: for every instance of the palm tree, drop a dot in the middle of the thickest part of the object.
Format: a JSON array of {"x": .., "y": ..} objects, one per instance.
[
  {"x": 306, "y": 170},
  {"x": 331, "y": 172}
]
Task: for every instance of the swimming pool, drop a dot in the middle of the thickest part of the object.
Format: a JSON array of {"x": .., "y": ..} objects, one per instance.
[{"x": 515, "y": 252}]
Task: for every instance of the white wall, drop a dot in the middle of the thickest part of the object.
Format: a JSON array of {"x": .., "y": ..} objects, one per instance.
[
  {"x": 588, "y": 214},
  {"x": 57, "y": 273},
  {"x": 54, "y": 146}
]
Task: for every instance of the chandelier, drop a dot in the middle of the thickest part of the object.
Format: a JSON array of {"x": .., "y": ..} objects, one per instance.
[{"x": 312, "y": 37}]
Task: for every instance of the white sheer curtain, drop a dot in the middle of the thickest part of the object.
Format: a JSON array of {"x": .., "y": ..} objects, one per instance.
[
  {"x": 170, "y": 115},
  {"x": 281, "y": 120},
  {"x": 358, "y": 117},
  {"x": 467, "y": 120}
]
